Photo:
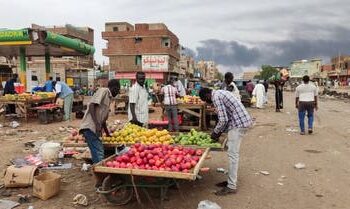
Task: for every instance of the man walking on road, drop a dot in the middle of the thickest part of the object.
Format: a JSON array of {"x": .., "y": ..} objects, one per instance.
[
  {"x": 138, "y": 101},
  {"x": 306, "y": 101},
  {"x": 95, "y": 118},
  {"x": 234, "y": 118},
  {"x": 258, "y": 92}
]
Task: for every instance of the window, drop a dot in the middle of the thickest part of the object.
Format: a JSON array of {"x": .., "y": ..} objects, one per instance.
[
  {"x": 138, "y": 40},
  {"x": 166, "y": 42},
  {"x": 138, "y": 60},
  {"x": 115, "y": 29}
]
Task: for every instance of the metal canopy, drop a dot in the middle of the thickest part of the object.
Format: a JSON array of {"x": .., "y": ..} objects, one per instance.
[{"x": 40, "y": 42}]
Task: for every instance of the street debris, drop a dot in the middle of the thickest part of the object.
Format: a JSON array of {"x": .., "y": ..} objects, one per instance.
[
  {"x": 300, "y": 166},
  {"x": 80, "y": 199},
  {"x": 206, "y": 204},
  {"x": 292, "y": 130},
  {"x": 281, "y": 178},
  {"x": 313, "y": 151},
  {"x": 14, "y": 124},
  {"x": 8, "y": 204},
  {"x": 85, "y": 167},
  {"x": 266, "y": 173},
  {"x": 279, "y": 183},
  {"x": 221, "y": 170}
]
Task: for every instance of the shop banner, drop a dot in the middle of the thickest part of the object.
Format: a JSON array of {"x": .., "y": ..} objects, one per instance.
[{"x": 155, "y": 63}]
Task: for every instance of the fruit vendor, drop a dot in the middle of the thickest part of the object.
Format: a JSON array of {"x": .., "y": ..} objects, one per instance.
[
  {"x": 234, "y": 118},
  {"x": 230, "y": 86},
  {"x": 95, "y": 118},
  {"x": 170, "y": 92},
  {"x": 10, "y": 89},
  {"x": 138, "y": 101},
  {"x": 64, "y": 92}
]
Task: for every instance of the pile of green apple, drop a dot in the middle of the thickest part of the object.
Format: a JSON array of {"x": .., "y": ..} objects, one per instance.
[{"x": 196, "y": 138}]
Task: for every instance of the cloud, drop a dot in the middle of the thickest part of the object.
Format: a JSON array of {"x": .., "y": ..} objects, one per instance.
[{"x": 306, "y": 42}]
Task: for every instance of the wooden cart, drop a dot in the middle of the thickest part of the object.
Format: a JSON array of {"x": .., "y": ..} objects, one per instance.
[
  {"x": 120, "y": 185},
  {"x": 24, "y": 106},
  {"x": 194, "y": 110}
]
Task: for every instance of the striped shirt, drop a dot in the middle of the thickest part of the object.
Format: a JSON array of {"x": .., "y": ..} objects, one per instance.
[
  {"x": 170, "y": 93},
  {"x": 139, "y": 96},
  {"x": 231, "y": 112}
]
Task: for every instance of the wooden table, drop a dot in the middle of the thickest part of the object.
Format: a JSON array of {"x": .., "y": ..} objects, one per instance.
[
  {"x": 24, "y": 106},
  {"x": 119, "y": 100},
  {"x": 190, "y": 110}
]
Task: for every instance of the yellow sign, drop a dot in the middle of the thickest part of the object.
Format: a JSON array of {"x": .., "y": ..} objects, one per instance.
[{"x": 70, "y": 82}]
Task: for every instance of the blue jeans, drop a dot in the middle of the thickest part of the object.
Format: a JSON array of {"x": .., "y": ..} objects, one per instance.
[
  {"x": 171, "y": 111},
  {"x": 306, "y": 107},
  {"x": 95, "y": 145}
]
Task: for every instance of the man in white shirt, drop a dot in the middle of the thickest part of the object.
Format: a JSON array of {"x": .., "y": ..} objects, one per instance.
[
  {"x": 170, "y": 92},
  {"x": 179, "y": 86},
  {"x": 138, "y": 101},
  {"x": 230, "y": 86},
  {"x": 306, "y": 101}
]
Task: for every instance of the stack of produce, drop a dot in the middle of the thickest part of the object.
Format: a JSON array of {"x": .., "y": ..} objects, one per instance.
[
  {"x": 47, "y": 107},
  {"x": 157, "y": 157},
  {"x": 45, "y": 94},
  {"x": 132, "y": 134},
  {"x": 196, "y": 138},
  {"x": 190, "y": 100},
  {"x": 28, "y": 96},
  {"x": 74, "y": 137}
]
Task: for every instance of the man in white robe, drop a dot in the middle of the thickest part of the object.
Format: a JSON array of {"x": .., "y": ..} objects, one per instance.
[{"x": 258, "y": 92}]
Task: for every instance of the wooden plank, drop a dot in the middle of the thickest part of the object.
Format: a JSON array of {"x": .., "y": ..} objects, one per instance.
[
  {"x": 198, "y": 115},
  {"x": 101, "y": 168},
  {"x": 200, "y": 162}
]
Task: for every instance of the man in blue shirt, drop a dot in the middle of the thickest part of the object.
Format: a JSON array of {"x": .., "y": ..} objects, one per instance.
[
  {"x": 64, "y": 92},
  {"x": 48, "y": 85}
]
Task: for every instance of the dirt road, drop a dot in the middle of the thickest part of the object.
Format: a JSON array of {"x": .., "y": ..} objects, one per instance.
[{"x": 273, "y": 145}]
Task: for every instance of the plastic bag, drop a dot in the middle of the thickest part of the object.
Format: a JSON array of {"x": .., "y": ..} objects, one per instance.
[
  {"x": 253, "y": 100},
  {"x": 206, "y": 204}
]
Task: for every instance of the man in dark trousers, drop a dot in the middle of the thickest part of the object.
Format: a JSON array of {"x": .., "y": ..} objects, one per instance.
[
  {"x": 10, "y": 89},
  {"x": 95, "y": 118},
  {"x": 279, "y": 94}
]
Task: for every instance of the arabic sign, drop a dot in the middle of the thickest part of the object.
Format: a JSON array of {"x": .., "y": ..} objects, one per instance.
[{"x": 155, "y": 63}]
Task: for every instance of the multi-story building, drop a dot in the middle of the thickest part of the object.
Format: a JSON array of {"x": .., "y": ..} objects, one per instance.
[
  {"x": 73, "y": 70},
  {"x": 187, "y": 65},
  {"x": 250, "y": 75},
  {"x": 207, "y": 69},
  {"x": 340, "y": 69},
  {"x": 311, "y": 67},
  {"x": 151, "y": 48}
]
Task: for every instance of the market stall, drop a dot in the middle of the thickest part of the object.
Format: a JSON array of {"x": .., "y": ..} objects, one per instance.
[{"x": 26, "y": 102}]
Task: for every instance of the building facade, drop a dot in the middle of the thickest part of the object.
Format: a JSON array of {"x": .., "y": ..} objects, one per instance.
[
  {"x": 151, "y": 48},
  {"x": 311, "y": 67},
  {"x": 340, "y": 69},
  {"x": 207, "y": 69}
]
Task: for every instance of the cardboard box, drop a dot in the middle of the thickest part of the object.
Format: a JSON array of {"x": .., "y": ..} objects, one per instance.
[
  {"x": 20, "y": 176},
  {"x": 46, "y": 185}
]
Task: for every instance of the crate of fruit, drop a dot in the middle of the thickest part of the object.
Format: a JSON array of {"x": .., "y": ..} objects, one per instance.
[
  {"x": 197, "y": 139},
  {"x": 132, "y": 134},
  {"x": 165, "y": 161}
]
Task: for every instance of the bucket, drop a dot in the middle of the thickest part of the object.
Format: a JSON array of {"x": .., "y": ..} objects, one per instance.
[{"x": 49, "y": 151}]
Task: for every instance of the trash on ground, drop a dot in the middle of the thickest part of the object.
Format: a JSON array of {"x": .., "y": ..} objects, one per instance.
[
  {"x": 85, "y": 167},
  {"x": 313, "y": 151},
  {"x": 204, "y": 169},
  {"x": 264, "y": 173},
  {"x": 23, "y": 199},
  {"x": 80, "y": 199},
  {"x": 206, "y": 204},
  {"x": 46, "y": 185},
  {"x": 14, "y": 124},
  {"x": 19, "y": 176},
  {"x": 292, "y": 130},
  {"x": 58, "y": 167},
  {"x": 319, "y": 195},
  {"x": 221, "y": 170},
  {"x": 279, "y": 183},
  {"x": 8, "y": 204},
  {"x": 299, "y": 165}
]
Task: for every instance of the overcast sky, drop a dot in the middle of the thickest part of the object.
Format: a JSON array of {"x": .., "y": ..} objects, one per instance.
[{"x": 236, "y": 34}]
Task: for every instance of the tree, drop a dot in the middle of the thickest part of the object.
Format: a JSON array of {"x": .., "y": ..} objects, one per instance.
[
  {"x": 219, "y": 76},
  {"x": 267, "y": 71}
]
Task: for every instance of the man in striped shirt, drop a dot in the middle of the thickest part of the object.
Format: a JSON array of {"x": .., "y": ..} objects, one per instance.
[
  {"x": 234, "y": 118},
  {"x": 138, "y": 101},
  {"x": 170, "y": 92}
]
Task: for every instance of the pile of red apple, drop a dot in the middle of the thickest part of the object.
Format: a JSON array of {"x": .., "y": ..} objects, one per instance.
[{"x": 158, "y": 157}]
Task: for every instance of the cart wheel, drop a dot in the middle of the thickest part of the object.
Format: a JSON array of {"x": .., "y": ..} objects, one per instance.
[{"x": 121, "y": 195}]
